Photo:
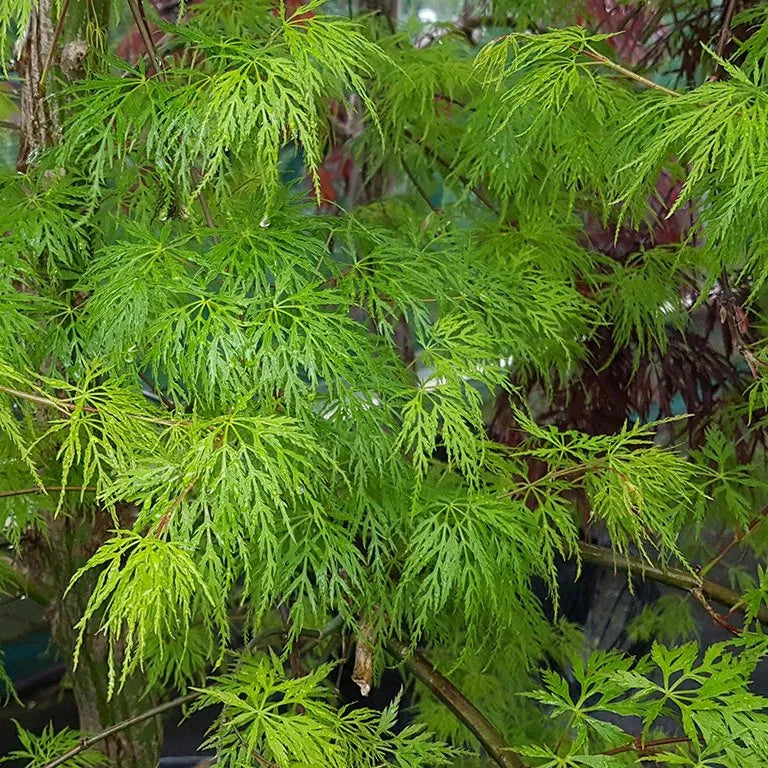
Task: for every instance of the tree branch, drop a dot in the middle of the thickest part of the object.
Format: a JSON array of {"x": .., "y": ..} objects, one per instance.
[
  {"x": 672, "y": 577},
  {"x": 455, "y": 700},
  {"x": 628, "y": 73},
  {"x": 23, "y": 583},
  {"x": 725, "y": 30},
  {"x": 90, "y": 741}
]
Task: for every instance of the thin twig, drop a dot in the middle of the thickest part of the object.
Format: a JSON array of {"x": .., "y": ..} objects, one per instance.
[
  {"x": 720, "y": 620},
  {"x": 140, "y": 19},
  {"x": 62, "y": 408},
  {"x": 197, "y": 178},
  {"x": 90, "y": 741},
  {"x": 44, "y": 489},
  {"x": 725, "y": 29},
  {"x": 554, "y": 475},
  {"x": 166, "y": 518},
  {"x": 435, "y": 156},
  {"x": 561, "y": 738},
  {"x": 168, "y": 403},
  {"x": 645, "y": 747},
  {"x": 606, "y": 62},
  {"x": 729, "y": 315},
  {"x": 729, "y": 305},
  {"x": 329, "y": 629},
  {"x": 67, "y": 408},
  {"x": 52, "y": 49},
  {"x": 206, "y": 210},
  {"x": 257, "y": 756},
  {"x": 417, "y": 185},
  {"x": 737, "y": 539}
]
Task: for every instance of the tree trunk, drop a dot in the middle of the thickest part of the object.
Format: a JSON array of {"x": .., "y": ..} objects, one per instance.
[
  {"x": 39, "y": 114},
  {"x": 53, "y": 560}
]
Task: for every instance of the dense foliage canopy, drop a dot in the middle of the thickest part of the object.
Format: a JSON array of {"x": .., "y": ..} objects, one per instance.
[{"x": 328, "y": 331}]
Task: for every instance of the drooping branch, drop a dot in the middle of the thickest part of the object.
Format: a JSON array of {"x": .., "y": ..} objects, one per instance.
[
  {"x": 672, "y": 577},
  {"x": 486, "y": 733},
  {"x": 455, "y": 700}
]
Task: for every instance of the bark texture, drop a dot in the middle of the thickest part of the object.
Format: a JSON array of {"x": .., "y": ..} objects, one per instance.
[{"x": 39, "y": 113}]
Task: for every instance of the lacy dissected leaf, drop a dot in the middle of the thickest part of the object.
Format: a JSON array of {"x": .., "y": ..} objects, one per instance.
[
  {"x": 642, "y": 300},
  {"x": 541, "y": 137},
  {"x": 247, "y": 94},
  {"x": 291, "y": 722},
  {"x": 102, "y": 425},
  {"x": 707, "y": 697},
  {"x": 37, "y": 750},
  {"x": 717, "y": 134},
  {"x": 43, "y": 217},
  {"x": 475, "y": 550},
  {"x": 231, "y": 482},
  {"x": 633, "y": 486},
  {"x": 147, "y": 590}
]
